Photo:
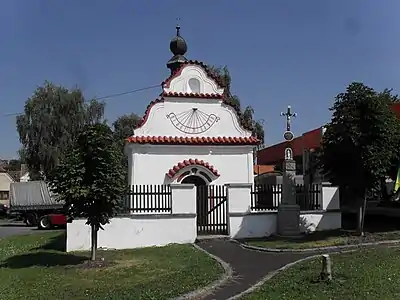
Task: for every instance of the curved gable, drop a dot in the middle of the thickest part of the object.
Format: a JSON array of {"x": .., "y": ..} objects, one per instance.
[
  {"x": 192, "y": 78},
  {"x": 192, "y": 105}
]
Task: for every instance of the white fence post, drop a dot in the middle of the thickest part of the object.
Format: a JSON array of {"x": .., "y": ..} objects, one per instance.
[
  {"x": 330, "y": 197},
  {"x": 183, "y": 198},
  {"x": 239, "y": 197}
]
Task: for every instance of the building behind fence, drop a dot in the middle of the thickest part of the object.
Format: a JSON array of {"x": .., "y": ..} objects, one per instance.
[{"x": 178, "y": 213}]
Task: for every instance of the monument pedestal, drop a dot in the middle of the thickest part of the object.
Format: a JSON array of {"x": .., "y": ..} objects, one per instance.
[{"x": 288, "y": 218}]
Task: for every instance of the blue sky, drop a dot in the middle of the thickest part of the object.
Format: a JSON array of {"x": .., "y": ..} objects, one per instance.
[{"x": 279, "y": 52}]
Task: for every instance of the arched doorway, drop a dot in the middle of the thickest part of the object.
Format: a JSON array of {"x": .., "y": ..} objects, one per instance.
[
  {"x": 202, "y": 203},
  {"x": 193, "y": 179}
]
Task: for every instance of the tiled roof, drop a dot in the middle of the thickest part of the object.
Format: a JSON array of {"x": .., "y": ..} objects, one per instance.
[
  {"x": 192, "y": 95},
  {"x": 146, "y": 113},
  {"x": 261, "y": 169},
  {"x": 175, "y": 169},
  {"x": 16, "y": 175},
  {"x": 177, "y": 140}
]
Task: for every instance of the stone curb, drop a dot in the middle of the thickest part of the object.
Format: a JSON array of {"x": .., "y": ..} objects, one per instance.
[
  {"x": 339, "y": 247},
  {"x": 276, "y": 272},
  {"x": 207, "y": 290}
]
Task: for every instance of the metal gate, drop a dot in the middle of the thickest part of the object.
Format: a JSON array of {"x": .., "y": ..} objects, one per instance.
[{"x": 211, "y": 210}]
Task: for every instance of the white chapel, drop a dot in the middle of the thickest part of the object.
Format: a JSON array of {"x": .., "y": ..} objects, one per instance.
[{"x": 190, "y": 134}]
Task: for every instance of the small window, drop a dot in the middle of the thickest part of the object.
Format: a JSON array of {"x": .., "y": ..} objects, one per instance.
[
  {"x": 194, "y": 85},
  {"x": 4, "y": 195}
]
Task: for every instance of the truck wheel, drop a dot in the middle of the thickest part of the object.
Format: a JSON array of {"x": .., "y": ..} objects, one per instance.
[
  {"x": 30, "y": 219},
  {"x": 44, "y": 223}
]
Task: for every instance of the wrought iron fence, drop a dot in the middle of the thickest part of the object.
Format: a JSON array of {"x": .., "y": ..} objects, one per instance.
[
  {"x": 149, "y": 199},
  {"x": 266, "y": 197}
]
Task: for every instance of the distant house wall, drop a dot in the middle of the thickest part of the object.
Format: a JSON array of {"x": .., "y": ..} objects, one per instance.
[{"x": 5, "y": 180}]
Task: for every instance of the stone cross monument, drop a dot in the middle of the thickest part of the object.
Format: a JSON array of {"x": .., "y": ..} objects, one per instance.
[{"x": 288, "y": 219}]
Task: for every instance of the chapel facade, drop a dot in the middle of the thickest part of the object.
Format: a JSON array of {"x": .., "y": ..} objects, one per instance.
[{"x": 190, "y": 134}]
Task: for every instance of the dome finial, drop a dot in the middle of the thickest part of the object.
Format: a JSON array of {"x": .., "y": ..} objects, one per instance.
[{"x": 178, "y": 48}]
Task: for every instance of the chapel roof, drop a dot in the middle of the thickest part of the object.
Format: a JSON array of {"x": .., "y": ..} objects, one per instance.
[{"x": 179, "y": 140}]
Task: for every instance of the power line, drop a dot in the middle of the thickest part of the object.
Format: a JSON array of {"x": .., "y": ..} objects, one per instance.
[{"x": 103, "y": 97}]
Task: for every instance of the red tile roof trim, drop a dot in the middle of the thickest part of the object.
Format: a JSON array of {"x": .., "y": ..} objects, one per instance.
[
  {"x": 192, "y": 95},
  {"x": 147, "y": 112},
  {"x": 191, "y": 162},
  {"x": 176, "y": 140},
  {"x": 178, "y": 72}
]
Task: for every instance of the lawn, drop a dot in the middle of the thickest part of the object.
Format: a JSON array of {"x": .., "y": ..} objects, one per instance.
[
  {"x": 323, "y": 239},
  {"x": 368, "y": 274},
  {"x": 35, "y": 267}
]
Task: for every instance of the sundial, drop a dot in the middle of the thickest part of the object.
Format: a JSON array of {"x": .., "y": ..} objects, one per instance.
[{"x": 192, "y": 121}]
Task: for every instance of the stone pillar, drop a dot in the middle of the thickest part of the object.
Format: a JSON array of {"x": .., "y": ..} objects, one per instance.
[{"x": 288, "y": 211}]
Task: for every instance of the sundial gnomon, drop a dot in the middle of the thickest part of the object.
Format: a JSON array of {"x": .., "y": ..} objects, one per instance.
[{"x": 193, "y": 121}]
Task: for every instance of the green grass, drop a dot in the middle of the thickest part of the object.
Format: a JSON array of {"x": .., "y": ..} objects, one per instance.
[
  {"x": 35, "y": 267},
  {"x": 322, "y": 239},
  {"x": 368, "y": 275}
]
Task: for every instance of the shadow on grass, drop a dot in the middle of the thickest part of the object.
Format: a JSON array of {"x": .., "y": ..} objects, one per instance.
[
  {"x": 57, "y": 243},
  {"x": 42, "y": 259},
  {"x": 316, "y": 236}
]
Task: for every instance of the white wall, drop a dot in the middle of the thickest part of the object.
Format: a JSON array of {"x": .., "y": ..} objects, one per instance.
[
  {"x": 5, "y": 180},
  {"x": 143, "y": 230},
  {"x": 150, "y": 163},
  {"x": 134, "y": 232},
  {"x": 161, "y": 117},
  {"x": 263, "y": 224}
]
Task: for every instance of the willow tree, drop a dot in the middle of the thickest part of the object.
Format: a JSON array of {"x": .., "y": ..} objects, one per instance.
[{"x": 52, "y": 118}]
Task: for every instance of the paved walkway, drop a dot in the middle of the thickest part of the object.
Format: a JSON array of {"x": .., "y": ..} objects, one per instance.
[{"x": 249, "y": 266}]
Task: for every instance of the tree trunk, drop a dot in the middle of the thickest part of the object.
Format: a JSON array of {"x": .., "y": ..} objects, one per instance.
[
  {"x": 384, "y": 192},
  {"x": 94, "y": 230},
  {"x": 361, "y": 215}
]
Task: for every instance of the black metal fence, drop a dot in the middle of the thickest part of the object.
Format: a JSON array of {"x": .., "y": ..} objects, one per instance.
[
  {"x": 266, "y": 197},
  {"x": 149, "y": 198},
  {"x": 314, "y": 199},
  {"x": 212, "y": 209}
]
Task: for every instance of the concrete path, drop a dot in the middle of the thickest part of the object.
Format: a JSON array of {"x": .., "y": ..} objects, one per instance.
[{"x": 249, "y": 266}]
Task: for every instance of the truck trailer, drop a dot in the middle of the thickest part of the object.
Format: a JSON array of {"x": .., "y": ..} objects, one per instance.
[{"x": 36, "y": 205}]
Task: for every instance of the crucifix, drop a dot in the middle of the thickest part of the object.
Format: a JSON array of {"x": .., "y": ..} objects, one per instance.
[
  {"x": 288, "y": 218},
  {"x": 288, "y": 114}
]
